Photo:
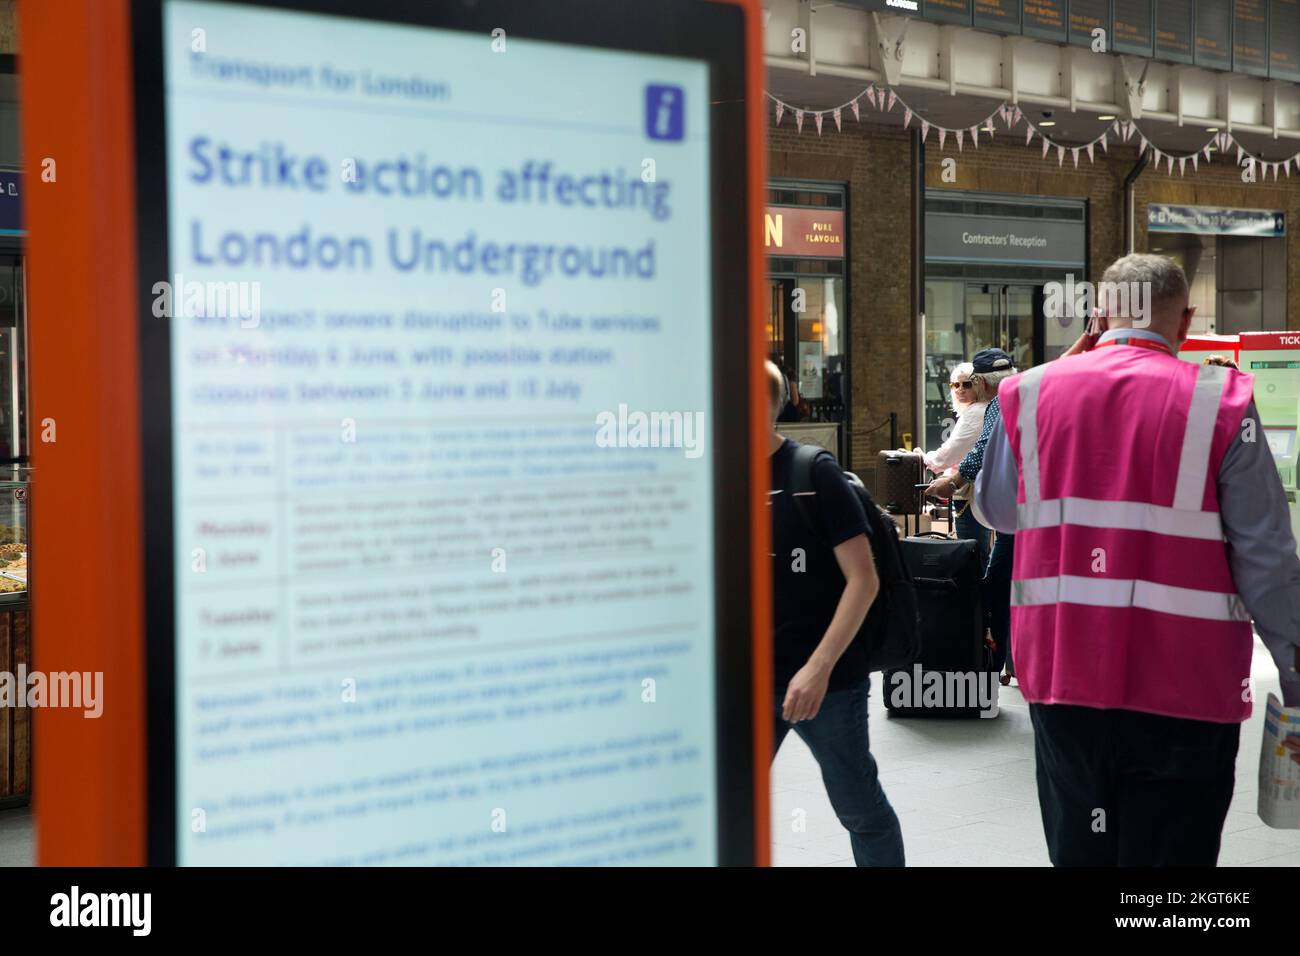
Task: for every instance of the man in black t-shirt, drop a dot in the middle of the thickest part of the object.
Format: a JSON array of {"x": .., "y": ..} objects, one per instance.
[{"x": 823, "y": 583}]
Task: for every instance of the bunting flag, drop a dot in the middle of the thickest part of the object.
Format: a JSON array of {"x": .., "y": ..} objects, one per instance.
[{"x": 1012, "y": 114}]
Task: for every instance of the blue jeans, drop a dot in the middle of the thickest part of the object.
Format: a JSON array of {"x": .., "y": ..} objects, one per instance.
[
  {"x": 837, "y": 737},
  {"x": 968, "y": 529},
  {"x": 997, "y": 598}
]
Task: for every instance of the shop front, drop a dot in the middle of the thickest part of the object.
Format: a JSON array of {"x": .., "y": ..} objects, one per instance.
[
  {"x": 988, "y": 258},
  {"x": 806, "y": 237},
  {"x": 1235, "y": 260},
  {"x": 15, "y": 637}
]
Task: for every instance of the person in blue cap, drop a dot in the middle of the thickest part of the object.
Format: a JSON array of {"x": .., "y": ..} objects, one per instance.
[{"x": 990, "y": 366}]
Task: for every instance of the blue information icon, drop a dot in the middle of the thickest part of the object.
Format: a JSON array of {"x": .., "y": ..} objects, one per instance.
[{"x": 665, "y": 112}]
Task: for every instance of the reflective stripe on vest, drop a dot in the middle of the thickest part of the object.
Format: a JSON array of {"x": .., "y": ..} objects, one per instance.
[
  {"x": 1109, "y": 592},
  {"x": 1121, "y": 515},
  {"x": 1027, "y": 420},
  {"x": 1202, "y": 416}
]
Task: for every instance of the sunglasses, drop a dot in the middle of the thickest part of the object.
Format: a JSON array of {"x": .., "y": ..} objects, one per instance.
[{"x": 956, "y": 385}]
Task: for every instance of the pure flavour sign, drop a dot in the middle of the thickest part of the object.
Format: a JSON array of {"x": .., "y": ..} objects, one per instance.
[{"x": 800, "y": 231}]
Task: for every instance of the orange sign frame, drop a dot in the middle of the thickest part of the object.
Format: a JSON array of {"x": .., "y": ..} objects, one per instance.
[{"x": 89, "y": 776}]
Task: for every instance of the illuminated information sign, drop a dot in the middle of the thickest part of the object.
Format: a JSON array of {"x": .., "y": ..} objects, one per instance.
[{"x": 442, "y": 488}]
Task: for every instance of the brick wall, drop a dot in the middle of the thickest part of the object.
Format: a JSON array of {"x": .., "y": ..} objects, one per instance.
[{"x": 874, "y": 162}]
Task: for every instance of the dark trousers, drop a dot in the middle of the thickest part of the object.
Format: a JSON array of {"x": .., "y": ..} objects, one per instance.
[
  {"x": 997, "y": 598},
  {"x": 837, "y": 737},
  {"x": 1123, "y": 788}
]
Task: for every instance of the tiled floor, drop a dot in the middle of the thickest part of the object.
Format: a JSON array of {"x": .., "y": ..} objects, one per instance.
[
  {"x": 965, "y": 795},
  {"x": 964, "y": 792},
  {"x": 16, "y": 842}
]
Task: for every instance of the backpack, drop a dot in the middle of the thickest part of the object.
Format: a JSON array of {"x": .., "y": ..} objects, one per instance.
[{"x": 891, "y": 630}]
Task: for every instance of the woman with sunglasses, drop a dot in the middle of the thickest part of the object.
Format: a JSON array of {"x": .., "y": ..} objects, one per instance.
[{"x": 960, "y": 435}]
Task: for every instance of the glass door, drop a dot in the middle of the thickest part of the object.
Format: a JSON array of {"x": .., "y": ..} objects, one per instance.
[
  {"x": 1017, "y": 332},
  {"x": 805, "y": 337},
  {"x": 961, "y": 318},
  {"x": 984, "y": 322}
]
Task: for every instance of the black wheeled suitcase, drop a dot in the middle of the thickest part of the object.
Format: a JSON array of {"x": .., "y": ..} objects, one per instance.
[{"x": 953, "y": 676}]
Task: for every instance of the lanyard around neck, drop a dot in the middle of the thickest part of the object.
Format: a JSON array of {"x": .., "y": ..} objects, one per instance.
[{"x": 1134, "y": 340}]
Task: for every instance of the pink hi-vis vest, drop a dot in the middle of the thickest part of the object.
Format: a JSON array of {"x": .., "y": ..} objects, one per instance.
[{"x": 1121, "y": 593}]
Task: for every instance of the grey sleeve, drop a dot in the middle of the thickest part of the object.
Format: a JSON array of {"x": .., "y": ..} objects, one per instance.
[
  {"x": 997, "y": 482},
  {"x": 1262, "y": 549}
]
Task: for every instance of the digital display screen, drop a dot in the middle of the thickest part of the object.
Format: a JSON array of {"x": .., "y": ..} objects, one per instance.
[
  {"x": 1045, "y": 20},
  {"x": 1002, "y": 16},
  {"x": 1174, "y": 30},
  {"x": 442, "y": 473},
  {"x": 1214, "y": 33},
  {"x": 1086, "y": 18},
  {"x": 1250, "y": 37},
  {"x": 1133, "y": 26},
  {"x": 1284, "y": 39}
]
